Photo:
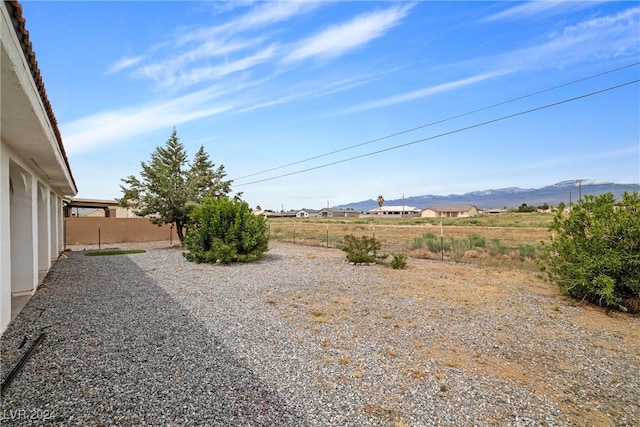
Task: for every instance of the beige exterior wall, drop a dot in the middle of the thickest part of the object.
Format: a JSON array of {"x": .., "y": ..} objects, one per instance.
[
  {"x": 82, "y": 231},
  {"x": 430, "y": 213}
]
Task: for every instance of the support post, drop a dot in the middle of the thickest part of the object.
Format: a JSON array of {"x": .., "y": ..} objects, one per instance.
[{"x": 441, "y": 241}]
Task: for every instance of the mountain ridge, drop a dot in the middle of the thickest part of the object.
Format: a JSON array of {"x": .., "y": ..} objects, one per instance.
[{"x": 508, "y": 197}]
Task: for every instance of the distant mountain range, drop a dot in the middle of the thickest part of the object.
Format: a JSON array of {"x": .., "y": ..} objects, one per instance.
[{"x": 510, "y": 197}]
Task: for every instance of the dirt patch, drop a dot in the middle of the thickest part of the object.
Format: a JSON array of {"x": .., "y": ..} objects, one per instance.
[{"x": 506, "y": 324}]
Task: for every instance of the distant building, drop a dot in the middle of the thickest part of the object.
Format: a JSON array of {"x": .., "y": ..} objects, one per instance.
[
  {"x": 455, "y": 211},
  {"x": 35, "y": 176},
  {"x": 77, "y": 207},
  {"x": 337, "y": 213},
  {"x": 395, "y": 211},
  {"x": 271, "y": 214},
  {"x": 308, "y": 213},
  {"x": 495, "y": 211}
]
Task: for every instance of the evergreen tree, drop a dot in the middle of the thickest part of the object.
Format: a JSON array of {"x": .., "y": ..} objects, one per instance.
[{"x": 169, "y": 187}]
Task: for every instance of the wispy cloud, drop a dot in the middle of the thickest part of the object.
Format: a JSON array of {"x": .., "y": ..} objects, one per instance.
[
  {"x": 198, "y": 55},
  {"x": 338, "y": 39},
  {"x": 314, "y": 90},
  {"x": 231, "y": 52},
  {"x": 176, "y": 74},
  {"x": 262, "y": 15},
  {"x": 129, "y": 123},
  {"x": 124, "y": 63},
  {"x": 597, "y": 38},
  {"x": 273, "y": 12},
  {"x": 531, "y": 8},
  {"x": 421, "y": 93}
]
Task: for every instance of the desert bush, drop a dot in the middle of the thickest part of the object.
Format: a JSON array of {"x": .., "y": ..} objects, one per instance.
[
  {"x": 433, "y": 243},
  {"x": 362, "y": 249},
  {"x": 496, "y": 247},
  {"x": 225, "y": 230},
  {"x": 477, "y": 241},
  {"x": 596, "y": 252},
  {"x": 456, "y": 247},
  {"x": 399, "y": 261},
  {"x": 527, "y": 251}
]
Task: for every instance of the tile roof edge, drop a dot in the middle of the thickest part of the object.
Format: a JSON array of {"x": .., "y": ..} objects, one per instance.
[{"x": 15, "y": 10}]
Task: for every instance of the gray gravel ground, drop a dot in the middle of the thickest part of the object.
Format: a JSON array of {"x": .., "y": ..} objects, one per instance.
[{"x": 151, "y": 339}]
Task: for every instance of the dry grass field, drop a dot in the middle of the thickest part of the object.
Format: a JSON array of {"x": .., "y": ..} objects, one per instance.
[{"x": 511, "y": 232}]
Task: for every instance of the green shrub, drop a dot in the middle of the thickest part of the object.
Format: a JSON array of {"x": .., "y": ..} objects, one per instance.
[
  {"x": 399, "y": 261},
  {"x": 361, "y": 249},
  {"x": 497, "y": 247},
  {"x": 225, "y": 230},
  {"x": 476, "y": 241},
  {"x": 436, "y": 243},
  {"x": 418, "y": 243},
  {"x": 527, "y": 251},
  {"x": 596, "y": 252}
]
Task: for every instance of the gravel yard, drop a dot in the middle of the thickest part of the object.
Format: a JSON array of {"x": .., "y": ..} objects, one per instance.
[{"x": 304, "y": 339}]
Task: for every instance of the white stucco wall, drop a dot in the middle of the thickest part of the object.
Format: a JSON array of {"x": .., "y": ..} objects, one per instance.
[
  {"x": 30, "y": 229},
  {"x": 34, "y": 173}
]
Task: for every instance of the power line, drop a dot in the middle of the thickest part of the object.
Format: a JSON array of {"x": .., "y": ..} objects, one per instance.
[
  {"x": 439, "y": 121},
  {"x": 555, "y": 104}
]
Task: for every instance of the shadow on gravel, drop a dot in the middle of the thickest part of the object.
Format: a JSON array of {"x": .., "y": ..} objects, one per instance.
[{"x": 119, "y": 351}]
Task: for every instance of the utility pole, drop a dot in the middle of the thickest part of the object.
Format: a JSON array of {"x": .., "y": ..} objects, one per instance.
[
  {"x": 402, "y": 205},
  {"x": 580, "y": 190}
]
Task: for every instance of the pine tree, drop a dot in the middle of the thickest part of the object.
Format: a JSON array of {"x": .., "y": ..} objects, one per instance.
[{"x": 169, "y": 188}]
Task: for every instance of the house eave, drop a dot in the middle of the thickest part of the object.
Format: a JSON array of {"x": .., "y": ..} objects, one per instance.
[{"x": 28, "y": 125}]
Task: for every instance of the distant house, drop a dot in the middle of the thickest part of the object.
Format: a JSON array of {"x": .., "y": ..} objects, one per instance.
[
  {"x": 271, "y": 214},
  {"x": 337, "y": 213},
  {"x": 308, "y": 213},
  {"x": 395, "y": 211},
  {"x": 455, "y": 211},
  {"x": 495, "y": 211}
]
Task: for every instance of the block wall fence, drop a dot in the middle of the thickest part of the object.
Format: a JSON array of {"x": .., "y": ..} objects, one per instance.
[{"x": 85, "y": 231}]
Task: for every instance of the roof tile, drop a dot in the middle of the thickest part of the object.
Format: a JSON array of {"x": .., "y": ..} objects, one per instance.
[{"x": 19, "y": 22}]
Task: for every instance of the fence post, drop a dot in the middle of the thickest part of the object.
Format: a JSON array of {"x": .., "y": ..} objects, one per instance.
[
  {"x": 99, "y": 236},
  {"x": 442, "y": 240},
  {"x": 374, "y": 235},
  {"x": 327, "y": 236}
]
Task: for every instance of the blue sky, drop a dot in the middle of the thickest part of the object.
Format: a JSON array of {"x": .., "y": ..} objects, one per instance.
[{"x": 273, "y": 88}]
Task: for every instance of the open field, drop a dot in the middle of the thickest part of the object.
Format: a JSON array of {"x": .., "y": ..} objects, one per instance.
[{"x": 513, "y": 231}]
